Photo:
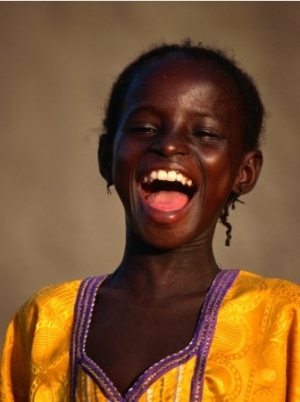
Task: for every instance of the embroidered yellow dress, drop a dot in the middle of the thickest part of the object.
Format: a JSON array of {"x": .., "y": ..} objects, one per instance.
[{"x": 246, "y": 348}]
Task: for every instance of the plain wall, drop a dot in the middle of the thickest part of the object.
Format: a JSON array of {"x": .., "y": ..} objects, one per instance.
[{"x": 58, "y": 61}]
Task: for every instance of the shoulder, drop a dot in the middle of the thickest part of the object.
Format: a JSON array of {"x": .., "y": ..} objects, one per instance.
[
  {"x": 49, "y": 305},
  {"x": 275, "y": 292},
  {"x": 267, "y": 308},
  {"x": 248, "y": 281},
  {"x": 53, "y": 296}
]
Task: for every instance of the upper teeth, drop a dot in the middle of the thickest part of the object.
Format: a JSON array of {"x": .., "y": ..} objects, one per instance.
[{"x": 165, "y": 175}]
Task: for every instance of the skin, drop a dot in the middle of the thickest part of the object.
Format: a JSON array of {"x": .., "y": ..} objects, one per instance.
[{"x": 178, "y": 115}]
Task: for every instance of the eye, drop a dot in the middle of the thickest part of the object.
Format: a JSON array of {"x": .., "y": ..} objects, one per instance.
[
  {"x": 142, "y": 129},
  {"x": 206, "y": 136}
]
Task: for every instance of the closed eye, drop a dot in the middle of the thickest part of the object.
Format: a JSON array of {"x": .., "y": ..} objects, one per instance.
[
  {"x": 206, "y": 135},
  {"x": 143, "y": 129}
]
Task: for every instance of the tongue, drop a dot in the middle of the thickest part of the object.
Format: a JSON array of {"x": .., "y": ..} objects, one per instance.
[{"x": 167, "y": 200}]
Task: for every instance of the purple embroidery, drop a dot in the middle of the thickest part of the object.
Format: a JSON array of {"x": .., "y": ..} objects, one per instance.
[
  {"x": 199, "y": 345},
  {"x": 82, "y": 315},
  {"x": 207, "y": 325}
]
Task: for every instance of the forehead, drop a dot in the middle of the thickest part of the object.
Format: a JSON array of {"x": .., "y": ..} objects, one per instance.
[
  {"x": 187, "y": 83},
  {"x": 176, "y": 72}
]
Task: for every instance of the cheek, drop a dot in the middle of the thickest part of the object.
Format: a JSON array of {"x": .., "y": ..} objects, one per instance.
[
  {"x": 220, "y": 173},
  {"x": 120, "y": 168},
  {"x": 126, "y": 156},
  {"x": 123, "y": 156}
]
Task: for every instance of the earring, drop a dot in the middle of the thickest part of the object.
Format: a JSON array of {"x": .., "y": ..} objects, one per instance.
[
  {"x": 109, "y": 183},
  {"x": 236, "y": 198},
  {"x": 108, "y": 190}
]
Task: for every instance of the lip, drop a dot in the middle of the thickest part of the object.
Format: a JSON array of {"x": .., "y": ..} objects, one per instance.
[{"x": 166, "y": 217}]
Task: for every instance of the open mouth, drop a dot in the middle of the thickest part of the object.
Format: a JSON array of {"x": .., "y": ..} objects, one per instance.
[{"x": 167, "y": 191}]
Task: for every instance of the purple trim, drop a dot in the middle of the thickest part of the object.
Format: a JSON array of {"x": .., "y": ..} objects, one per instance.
[
  {"x": 207, "y": 323},
  {"x": 199, "y": 345},
  {"x": 82, "y": 314}
]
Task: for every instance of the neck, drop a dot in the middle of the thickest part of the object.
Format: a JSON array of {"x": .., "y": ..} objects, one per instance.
[{"x": 187, "y": 269}]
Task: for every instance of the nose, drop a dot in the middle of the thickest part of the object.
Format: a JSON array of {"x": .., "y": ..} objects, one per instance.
[{"x": 170, "y": 144}]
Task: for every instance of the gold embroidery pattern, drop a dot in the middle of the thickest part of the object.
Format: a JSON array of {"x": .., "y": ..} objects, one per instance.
[
  {"x": 35, "y": 359},
  {"x": 254, "y": 355}
]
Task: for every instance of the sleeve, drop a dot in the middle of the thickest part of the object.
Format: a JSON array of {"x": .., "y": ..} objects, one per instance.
[
  {"x": 35, "y": 360},
  {"x": 16, "y": 355}
]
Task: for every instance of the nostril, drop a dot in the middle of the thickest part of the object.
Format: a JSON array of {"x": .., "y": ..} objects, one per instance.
[{"x": 169, "y": 146}]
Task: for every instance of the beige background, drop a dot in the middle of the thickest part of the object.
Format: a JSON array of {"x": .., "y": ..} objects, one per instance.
[{"x": 58, "y": 61}]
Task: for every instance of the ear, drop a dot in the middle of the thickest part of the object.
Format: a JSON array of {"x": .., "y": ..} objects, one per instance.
[
  {"x": 249, "y": 172},
  {"x": 105, "y": 158}
]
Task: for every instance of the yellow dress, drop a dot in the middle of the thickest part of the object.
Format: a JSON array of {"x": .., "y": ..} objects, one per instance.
[{"x": 246, "y": 348}]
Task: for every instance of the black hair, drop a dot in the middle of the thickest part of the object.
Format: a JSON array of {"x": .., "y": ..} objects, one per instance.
[{"x": 248, "y": 95}]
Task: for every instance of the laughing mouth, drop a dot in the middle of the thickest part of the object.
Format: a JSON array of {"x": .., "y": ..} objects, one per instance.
[{"x": 167, "y": 190}]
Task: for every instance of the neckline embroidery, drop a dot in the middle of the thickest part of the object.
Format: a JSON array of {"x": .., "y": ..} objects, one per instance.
[{"x": 199, "y": 344}]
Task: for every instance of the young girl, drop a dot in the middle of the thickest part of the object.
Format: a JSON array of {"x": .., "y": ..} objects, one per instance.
[{"x": 181, "y": 144}]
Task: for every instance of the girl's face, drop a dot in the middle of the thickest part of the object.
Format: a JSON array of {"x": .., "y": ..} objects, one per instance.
[{"x": 177, "y": 153}]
